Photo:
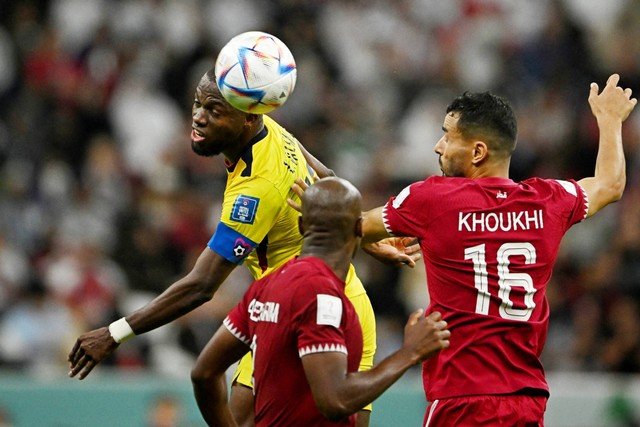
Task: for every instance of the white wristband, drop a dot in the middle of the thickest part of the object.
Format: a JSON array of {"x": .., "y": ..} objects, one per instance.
[{"x": 121, "y": 331}]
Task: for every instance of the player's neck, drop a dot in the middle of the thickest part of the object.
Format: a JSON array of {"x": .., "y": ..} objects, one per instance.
[
  {"x": 500, "y": 170},
  {"x": 338, "y": 260}
]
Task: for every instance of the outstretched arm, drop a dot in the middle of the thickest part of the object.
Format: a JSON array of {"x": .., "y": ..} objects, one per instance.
[
  {"x": 397, "y": 251},
  {"x": 339, "y": 394},
  {"x": 186, "y": 294},
  {"x": 611, "y": 107}
]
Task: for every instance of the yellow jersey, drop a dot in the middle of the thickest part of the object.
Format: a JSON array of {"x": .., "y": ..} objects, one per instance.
[{"x": 257, "y": 227}]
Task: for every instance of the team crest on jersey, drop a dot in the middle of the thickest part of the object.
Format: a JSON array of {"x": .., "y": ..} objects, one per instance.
[
  {"x": 244, "y": 209},
  {"x": 240, "y": 248}
]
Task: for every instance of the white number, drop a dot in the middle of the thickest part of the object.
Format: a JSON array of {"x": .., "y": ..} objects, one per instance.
[
  {"x": 254, "y": 347},
  {"x": 506, "y": 279}
]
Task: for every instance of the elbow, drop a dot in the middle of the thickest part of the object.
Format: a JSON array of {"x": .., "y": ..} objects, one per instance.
[
  {"x": 201, "y": 289},
  {"x": 615, "y": 191},
  {"x": 205, "y": 292},
  {"x": 334, "y": 410},
  {"x": 618, "y": 191},
  {"x": 201, "y": 375}
]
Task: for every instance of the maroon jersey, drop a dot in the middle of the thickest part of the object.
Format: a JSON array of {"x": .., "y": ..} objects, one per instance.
[
  {"x": 299, "y": 309},
  {"x": 489, "y": 246}
]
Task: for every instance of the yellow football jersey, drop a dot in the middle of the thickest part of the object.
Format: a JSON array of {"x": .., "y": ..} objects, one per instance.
[{"x": 257, "y": 227}]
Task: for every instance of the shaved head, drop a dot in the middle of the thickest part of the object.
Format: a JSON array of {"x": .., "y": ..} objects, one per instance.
[{"x": 332, "y": 205}]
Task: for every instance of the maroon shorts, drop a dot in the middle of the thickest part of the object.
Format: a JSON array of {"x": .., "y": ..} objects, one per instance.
[{"x": 487, "y": 410}]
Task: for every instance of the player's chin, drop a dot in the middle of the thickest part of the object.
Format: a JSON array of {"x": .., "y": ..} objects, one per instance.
[{"x": 201, "y": 150}]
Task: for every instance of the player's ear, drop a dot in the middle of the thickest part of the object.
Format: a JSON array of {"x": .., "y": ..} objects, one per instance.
[
  {"x": 480, "y": 152},
  {"x": 250, "y": 119},
  {"x": 358, "y": 227}
]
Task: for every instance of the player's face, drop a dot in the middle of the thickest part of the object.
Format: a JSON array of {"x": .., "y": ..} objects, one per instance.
[
  {"x": 216, "y": 126},
  {"x": 455, "y": 153}
]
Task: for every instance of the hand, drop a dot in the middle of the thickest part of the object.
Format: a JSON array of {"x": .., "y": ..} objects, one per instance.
[
  {"x": 396, "y": 251},
  {"x": 425, "y": 336},
  {"x": 613, "y": 102},
  {"x": 90, "y": 349},
  {"x": 299, "y": 187}
]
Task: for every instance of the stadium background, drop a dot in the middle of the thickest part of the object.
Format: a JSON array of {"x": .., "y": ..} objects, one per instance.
[{"x": 102, "y": 203}]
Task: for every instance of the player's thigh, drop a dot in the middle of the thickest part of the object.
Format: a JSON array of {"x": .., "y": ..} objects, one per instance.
[{"x": 493, "y": 410}]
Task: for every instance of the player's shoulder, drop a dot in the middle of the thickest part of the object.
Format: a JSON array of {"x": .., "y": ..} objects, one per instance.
[{"x": 560, "y": 186}]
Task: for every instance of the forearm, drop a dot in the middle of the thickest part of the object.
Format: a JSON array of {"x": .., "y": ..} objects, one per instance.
[
  {"x": 610, "y": 161},
  {"x": 610, "y": 108},
  {"x": 373, "y": 228},
  {"x": 608, "y": 181},
  {"x": 180, "y": 298},
  {"x": 186, "y": 294},
  {"x": 361, "y": 388}
]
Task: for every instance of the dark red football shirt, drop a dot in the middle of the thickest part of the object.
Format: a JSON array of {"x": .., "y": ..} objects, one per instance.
[
  {"x": 489, "y": 246},
  {"x": 297, "y": 310}
]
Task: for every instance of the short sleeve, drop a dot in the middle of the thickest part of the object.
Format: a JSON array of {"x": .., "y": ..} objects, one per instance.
[
  {"x": 320, "y": 320},
  {"x": 249, "y": 212},
  {"x": 237, "y": 321},
  {"x": 403, "y": 215}
]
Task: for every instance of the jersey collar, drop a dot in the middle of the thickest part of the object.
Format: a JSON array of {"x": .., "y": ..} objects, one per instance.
[{"x": 247, "y": 153}]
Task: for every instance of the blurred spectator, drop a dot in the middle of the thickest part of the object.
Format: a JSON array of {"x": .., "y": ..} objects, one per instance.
[{"x": 102, "y": 202}]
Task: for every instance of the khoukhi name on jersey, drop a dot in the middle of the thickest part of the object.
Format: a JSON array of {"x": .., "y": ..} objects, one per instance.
[{"x": 500, "y": 221}]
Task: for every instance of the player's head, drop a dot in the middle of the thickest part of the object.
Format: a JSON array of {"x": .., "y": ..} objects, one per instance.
[
  {"x": 480, "y": 130},
  {"x": 217, "y": 127},
  {"x": 332, "y": 213}
]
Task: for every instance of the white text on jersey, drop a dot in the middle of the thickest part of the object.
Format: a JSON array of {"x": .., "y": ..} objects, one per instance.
[
  {"x": 500, "y": 221},
  {"x": 263, "y": 311}
]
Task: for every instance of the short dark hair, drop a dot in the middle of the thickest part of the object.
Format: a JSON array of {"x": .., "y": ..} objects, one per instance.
[{"x": 488, "y": 117}]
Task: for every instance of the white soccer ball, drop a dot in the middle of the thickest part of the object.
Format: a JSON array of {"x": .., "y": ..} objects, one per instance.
[{"x": 255, "y": 72}]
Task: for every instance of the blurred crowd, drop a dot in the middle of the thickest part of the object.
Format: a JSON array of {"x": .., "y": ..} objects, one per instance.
[{"x": 103, "y": 204}]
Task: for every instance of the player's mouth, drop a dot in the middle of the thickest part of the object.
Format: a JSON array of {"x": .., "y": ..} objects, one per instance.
[{"x": 196, "y": 136}]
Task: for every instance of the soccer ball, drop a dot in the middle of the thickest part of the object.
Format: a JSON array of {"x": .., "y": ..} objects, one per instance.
[{"x": 255, "y": 72}]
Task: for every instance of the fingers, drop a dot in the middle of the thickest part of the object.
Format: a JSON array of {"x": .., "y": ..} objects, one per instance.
[
  {"x": 408, "y": 260},
  {"x": 298, "y": 187},
  {"x": 73, "y": 355},
  {"x": 415, "y": 317},
  {"x": 412, "y": 249},
  {"x": 593, "y": 92},
  {"x": 440, "y": 325},
  {"x": 294, "y": 205},
  {"x": 83, "y": 366},
  {"x": 613, "y": 80}
]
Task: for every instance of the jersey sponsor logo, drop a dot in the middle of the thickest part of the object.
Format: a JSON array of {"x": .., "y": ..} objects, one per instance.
[
  {"x": 501, "y": 195},
  {"x": 263, "y": 311},
  {"x": 500, "y": 221},
  {"x": 244, "y": 209},
  {"x": 329, "y": 310}
]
